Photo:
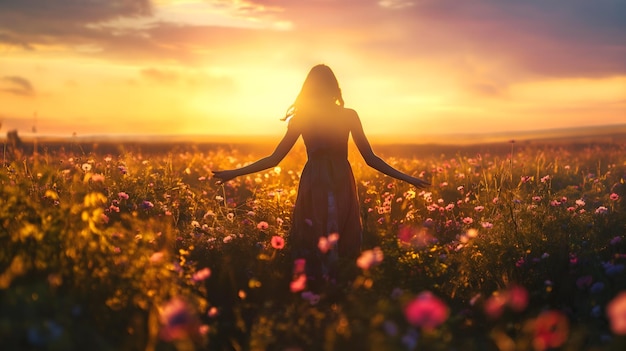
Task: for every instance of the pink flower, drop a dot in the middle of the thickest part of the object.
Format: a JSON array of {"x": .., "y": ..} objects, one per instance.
[
  {"x": 517, "y": 297},
  {"x": 494, "y": 306},
  {"x": 449, "y": 207},
  {"x": 298, "y": 284},
  {"x": 602, "y": 210},
  {"x": 614, "y": 196},
  {"x": 177, "y": 319},
  {"x": 616, "y": 311},
  {"x": 201, "y": 275},
  {"x": 324, "y": 244},
  {"x": 468, "y": 220},
  {"x": 299, "y": 265},
  {"x": 536, "y": 198},
  {"x": 122, "y": 195},
  {"x": 551, "y": 330},
  {"x": 262, "y": 225},
  {"x": 370, "y": 258},
  {"x": 479, "y": 208},
  {"x": 487, "y": 225},
  {"x": 278, "y": 242},
  {"x": 426, "y": 311}
]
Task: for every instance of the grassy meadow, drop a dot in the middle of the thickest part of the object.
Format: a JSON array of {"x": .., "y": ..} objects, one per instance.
[{"x": 515, "y": 246}]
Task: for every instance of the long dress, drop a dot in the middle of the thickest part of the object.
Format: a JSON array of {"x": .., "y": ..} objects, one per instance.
[{"x": 327, "y": 200}]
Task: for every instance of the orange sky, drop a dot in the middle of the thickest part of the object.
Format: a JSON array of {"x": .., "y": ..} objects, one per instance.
[{"x": 233, "y": 67}]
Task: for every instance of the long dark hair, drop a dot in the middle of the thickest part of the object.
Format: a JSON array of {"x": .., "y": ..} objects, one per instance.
[{"x": 320, "y": 88}]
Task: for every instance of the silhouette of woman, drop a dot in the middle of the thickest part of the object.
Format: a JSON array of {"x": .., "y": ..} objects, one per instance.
[{"x": 326, "y": 201}]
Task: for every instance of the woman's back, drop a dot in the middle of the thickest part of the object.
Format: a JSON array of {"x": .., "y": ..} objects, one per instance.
[{"x": 325, "y": 130}]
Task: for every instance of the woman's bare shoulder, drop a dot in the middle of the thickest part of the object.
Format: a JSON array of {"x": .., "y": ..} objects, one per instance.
[{"x": 349, "y": 114}]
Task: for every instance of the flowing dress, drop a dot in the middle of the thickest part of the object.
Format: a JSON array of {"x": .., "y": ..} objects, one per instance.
[{"x": 327, "y": 200}]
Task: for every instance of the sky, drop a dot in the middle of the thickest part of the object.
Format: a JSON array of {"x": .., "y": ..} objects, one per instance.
[{"x": 220, "y": 67}]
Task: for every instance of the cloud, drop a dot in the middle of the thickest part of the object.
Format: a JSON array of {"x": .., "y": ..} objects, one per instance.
[
  {"x": 17, "y": 86},
  {"x": 533, "y": 37}
]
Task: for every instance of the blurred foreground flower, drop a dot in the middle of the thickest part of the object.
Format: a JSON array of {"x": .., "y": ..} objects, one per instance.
[
  {"x": 177, "y": 320},
  {"x": 370, "y": 258},
  {"x": 616, "y": 312},
  {"x": 515, "y": 297},
  {"x": 551, "y": 330},
  {"x": 426, "y": 311}
]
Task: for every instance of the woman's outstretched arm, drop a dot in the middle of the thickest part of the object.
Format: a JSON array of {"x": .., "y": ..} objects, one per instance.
[
  {"x": 272, "y": 160},
  {"x": 374, "y": 161}
]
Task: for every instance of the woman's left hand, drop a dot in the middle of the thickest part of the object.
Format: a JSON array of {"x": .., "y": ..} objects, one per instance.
[{"x": 224, "y": 176}]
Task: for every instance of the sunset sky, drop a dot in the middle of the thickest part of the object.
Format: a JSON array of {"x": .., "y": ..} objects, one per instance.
[{"x": 233, "y": 67}]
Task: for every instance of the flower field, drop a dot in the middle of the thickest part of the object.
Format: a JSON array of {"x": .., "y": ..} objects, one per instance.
[{"x": 513, "y": 247}]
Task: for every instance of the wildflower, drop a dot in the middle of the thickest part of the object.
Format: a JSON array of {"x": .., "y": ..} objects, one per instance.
[
  {"x": 122, "y": 169},
  {"x": 298, "y": 284},
  {"x": 449, "y": 207},
  {"x": 616, "y": 240},
  {"x": 536, "y": 198},
  {"x": 545, "y": 178},
  {"x": 468, "y": 220},
  {"x": 486, "y": 225},
  {"x": 324, "y": 243},
  {"x": 580, "y": 202},
  {"x": 97, "y": 178},
  {"x": 495, "y": 200},
  {"x": 262, "y": 225},
  {"x": 614, "y": 196},
  {"x": 213, "y": 312},
  {"x": 602, "y": 210},
  {"x": 122, "y": 195},
  {"x": 230, "y": 216},
  {"x": 86, "y": 167},
  {"x": 311, "y": 297},
  {"x": 227, "y": 239},
  {"x": 278, "y": 242},
  {"x": 147, "y": 205},
  {"x": 613, "y": 269},
  {"x": 584, "y": 282},
  {"x": 597, "y": 287},
  {"x": 526, "y": 179},
  {"x": 370, "y": 258},
  {"x": 219, "y": 198},
  {"x": 494, "y": 306},
  {"x": 471, "y": 233},
  {"x": 517, "y": 298},
  {"x": 177, "y": 320},
  {"x": 551, "y": 329},
  {"x": 616, "y": 312},
  {"x": 156, "y": 257},
  {"x": 426, "y": 311},
  {"x": 201, "y": 275},
  {"x": 460, "y": 188},
  {"x": 479, "y": 208},
  {"x": 299, "y": 265}
]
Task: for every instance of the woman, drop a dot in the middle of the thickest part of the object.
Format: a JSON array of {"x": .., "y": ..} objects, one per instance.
[{"x": 327, "y": 201}]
